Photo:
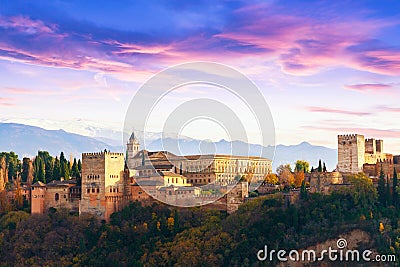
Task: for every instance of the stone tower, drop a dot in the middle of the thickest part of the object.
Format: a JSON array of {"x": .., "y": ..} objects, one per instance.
[
  {"x": 103, "y": 180},
  {"x": 351, "y": 153},
  {"x": 132, "y": 148},
  {"x": 38, "y": 191}
]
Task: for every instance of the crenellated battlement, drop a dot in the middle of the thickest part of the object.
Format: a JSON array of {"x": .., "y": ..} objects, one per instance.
[
  {"x": 88, "y": 154},
  {"x": 348, "y": 136}
]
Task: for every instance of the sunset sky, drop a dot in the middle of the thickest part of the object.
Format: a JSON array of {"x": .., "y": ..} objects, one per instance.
[{"x": 324, "y": 67}]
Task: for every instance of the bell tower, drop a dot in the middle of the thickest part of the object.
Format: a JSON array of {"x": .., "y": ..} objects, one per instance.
[{"x": 132, "y": 148}]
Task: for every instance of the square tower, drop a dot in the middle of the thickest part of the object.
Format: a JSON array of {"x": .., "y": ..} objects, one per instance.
[
  {"x": 379, "y": 146},
  {"x": 103, "y": 183},
  {"x": 351, "y": 153},
  {"x": 370, "y": 146}
]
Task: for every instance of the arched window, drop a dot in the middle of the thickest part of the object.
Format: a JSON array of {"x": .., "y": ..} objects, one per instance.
[{"x": 56, "y": 197}]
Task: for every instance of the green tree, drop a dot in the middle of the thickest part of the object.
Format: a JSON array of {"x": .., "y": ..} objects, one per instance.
[
  {"x": 381, "y": 188},
  {"x": 13, "y": 164},
  {"x": 74, "y": 169},
  {"x": 39, "y": 170},
  {"x": 79, "y": 165},
  {"x": 303, "y": 190},
  {"x": 302, "y": 165},
  {"x": 25, "y": 169},
  {"x": 363, "y": 191},
  {"x": 395, "y": 197},
  {"x": 324, "y": 168},
  {"x": 48, "y": 163},
  {"x": 388, "y": 194},
  {"x": 64, "y": 166},
  {"x": 56, "y": 169},
  {"x": 319, "y": 166}
]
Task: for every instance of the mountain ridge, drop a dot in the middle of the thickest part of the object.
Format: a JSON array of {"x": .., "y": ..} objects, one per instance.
[{"x": 26, "y": 140}]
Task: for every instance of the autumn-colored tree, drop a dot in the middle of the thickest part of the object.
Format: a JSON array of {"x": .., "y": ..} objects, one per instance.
[
  {"x": 271, "y": 178},
  {"x": 282, "y": 168},
  {"x": 286, "y": 177},
  {"x": 170, "y": 223},
  {"x": 298, "y": 178}
]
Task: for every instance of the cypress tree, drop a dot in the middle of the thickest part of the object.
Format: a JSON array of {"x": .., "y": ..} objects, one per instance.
[
  {"x": 64, "y": 166},
  {"x": 324, "y": 168},
  {"x": 395, "y": 193},
  {"x": 25, "y": 169},
  {"x": 381, "y": 188},
  {"x": 56, "y": 170},
  {"x": 319, "y": 166},
  {"x": 39, "y": 170},
  {"x": 74, "y": 169},
  {"x": 388, "y": 195},
  {"x": 303, "y": 190}
]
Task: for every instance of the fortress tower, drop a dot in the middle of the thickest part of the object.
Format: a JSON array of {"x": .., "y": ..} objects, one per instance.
[
  {"x": 103, "y": 183},
  {"x": 38, "y": 196},
  {"x": 132, "y": 148},
  {"x": 351, "y": 152}
]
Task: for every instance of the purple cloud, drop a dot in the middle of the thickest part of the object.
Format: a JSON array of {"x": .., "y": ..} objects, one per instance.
[
  {"x": 368, "y": 132},
  {"x": 338, "y": 111},
  {"x": 373, "y": 87}
]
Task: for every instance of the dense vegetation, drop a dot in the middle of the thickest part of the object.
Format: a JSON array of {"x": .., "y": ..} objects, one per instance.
[
  {"x": 159, "y": 235},
  {"x": 43, "y": 167}
]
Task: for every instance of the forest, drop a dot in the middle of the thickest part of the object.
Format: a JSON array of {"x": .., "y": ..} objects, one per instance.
[{"x": 161, "y": 235}]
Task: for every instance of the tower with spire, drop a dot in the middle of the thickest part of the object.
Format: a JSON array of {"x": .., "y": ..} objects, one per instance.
[{"x": 132, "y": 148}]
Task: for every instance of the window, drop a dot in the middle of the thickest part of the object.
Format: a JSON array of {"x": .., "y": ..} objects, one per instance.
[
  {"x": 98, "y": 190},
  {"x": 88, "y": 191},
  {"x": 56, "y": 197}
]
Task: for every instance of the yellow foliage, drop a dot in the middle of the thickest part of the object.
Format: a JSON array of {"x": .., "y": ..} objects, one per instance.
[
  {"x": 271, "y": 178},
  {"x": 298, "y": 178},
  {"x": 170, "y": 223},
  {"x": 381, "y": 227}
]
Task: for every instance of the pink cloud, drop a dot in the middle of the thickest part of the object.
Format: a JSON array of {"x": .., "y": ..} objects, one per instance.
[
  {"x": 388, "y": 109},
  {"x": 338, "y": 111},
  {"x": 382, "y": 61},
  {"x": 303, "y": 45},
  {"x": 299, "y": 45},
  {"x": 6, "y": 102},
  {"x": 26, "y": 25},
  {"x": 374, "y": 87},
  {"x": 367, "y": 132},
  {"x": 22, "y": 91}
]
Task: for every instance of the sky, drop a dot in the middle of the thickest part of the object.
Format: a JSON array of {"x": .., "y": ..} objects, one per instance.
[{"x": 324, "y": 67}]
